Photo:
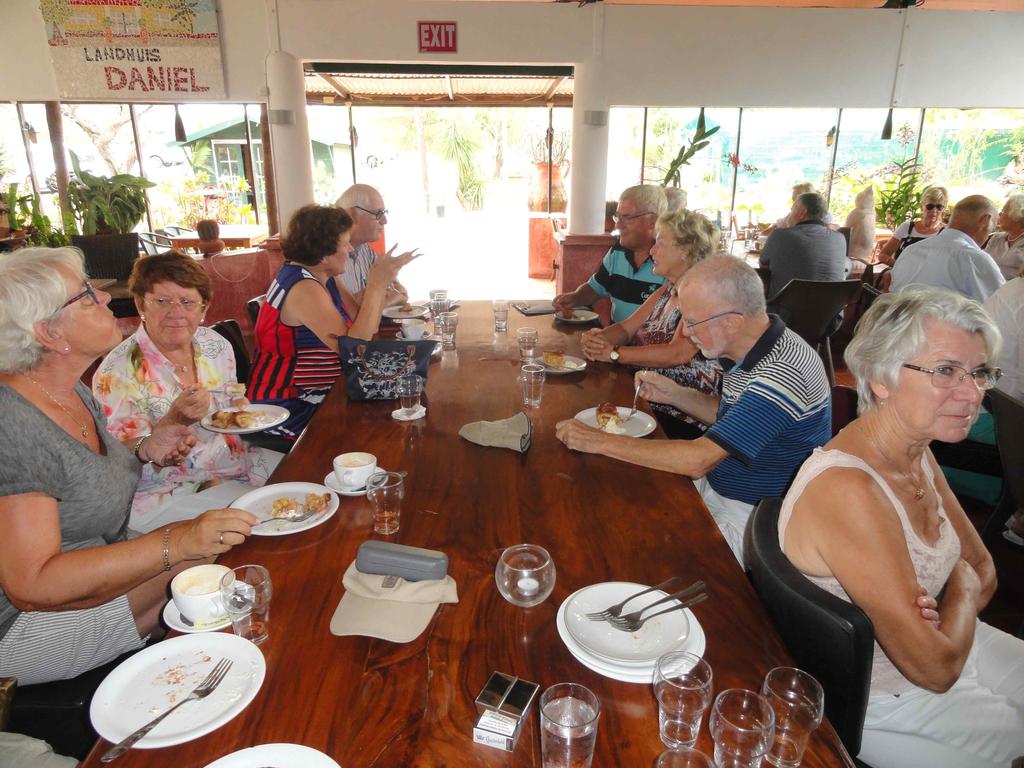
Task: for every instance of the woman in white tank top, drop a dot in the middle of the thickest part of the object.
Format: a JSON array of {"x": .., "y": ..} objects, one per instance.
[{"x": 871, "y": 519}]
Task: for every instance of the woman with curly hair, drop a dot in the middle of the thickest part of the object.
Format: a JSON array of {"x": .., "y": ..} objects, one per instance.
[{"x": 307, "y": 309}]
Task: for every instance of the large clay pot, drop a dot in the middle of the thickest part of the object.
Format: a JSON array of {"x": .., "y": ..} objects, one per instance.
[{"x": 538, "y": 198}]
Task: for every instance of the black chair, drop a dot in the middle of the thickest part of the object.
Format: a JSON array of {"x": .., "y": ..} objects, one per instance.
[
  {"x": 253, "y": 306},
  {"x": 232, "y": 331},
  {"x": 844, "y": 407},
  {"x": 830, "y": 638},
  {"x": 811, "y": 310},
  {"x": 1008, "y": 412}
]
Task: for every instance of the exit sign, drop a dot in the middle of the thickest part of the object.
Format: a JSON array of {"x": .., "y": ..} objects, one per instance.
[{"x": 437, "y": 36}]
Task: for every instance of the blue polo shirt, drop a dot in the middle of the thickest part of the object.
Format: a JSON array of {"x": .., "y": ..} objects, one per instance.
[
  {"x": 775, "y": 408},
  {"x": 627, "y": 286}
]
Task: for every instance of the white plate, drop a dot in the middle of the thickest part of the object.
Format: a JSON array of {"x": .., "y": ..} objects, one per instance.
[
  {"x": 396, "y": 313},
  {"x": 158, "y": 677},
  {"x": 578, "y": 316},
  {"x": 331, "y": 483},
  {"x": 638, "y": 425},
  {"x": 655, "y": 638},
  {"x": 260, "y": 501},
  {"x": 173, "y": 619},
  {"x": 572, "y": 365},
  {"x": 270, "y": 416},
  {"x": 285, "y": 755}
]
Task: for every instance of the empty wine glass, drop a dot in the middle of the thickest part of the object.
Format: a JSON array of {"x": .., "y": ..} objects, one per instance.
[{"x": 525, "y": 575}]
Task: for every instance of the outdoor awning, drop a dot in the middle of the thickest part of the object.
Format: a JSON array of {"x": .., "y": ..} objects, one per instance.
[{"x": 438, "y": 86}]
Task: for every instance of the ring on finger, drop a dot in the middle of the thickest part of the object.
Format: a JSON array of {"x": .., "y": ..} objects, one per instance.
[{"x": 221, "y": 538}]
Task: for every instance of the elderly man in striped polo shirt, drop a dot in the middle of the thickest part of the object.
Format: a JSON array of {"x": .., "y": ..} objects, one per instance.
[
  {"x": 773, "y": 410},
  {"x": 626, "y": 273}
]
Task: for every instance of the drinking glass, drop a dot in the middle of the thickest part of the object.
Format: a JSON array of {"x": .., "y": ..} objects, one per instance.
[
  {"x": 500, "y": 309},
  {"x": 799, "y": 702},
  {"x": 246, "y": 593},
  {"x": 410, "y": 387},
  {"x": 525, "y": 575},
  {"x": 527, "y": 338},
  {"x": 439, "y": 304},
  {"x": 385, "y": 491},
  {"x": 446, "y": 323},
  {"x": 532, "y": 376},
  {"x": 568, "y": 719},
  {"x": 682, "y": 686},
  {"x": 743, "y": 728},
  {"x": 684, "y": 757}
]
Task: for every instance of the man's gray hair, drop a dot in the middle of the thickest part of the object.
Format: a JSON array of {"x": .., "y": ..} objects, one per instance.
[
  {"x": 675, "y": 198},
  {"x": 31, "y": 291},
  {"x": 1015, "y": 207},
  {"x": 649, "y": 198},
  {"x": 357, "y": 194},
  {"x": 893, "y": 332},
  {"x": 731, "y": 281},
  {"x": 814, "y": 204}
]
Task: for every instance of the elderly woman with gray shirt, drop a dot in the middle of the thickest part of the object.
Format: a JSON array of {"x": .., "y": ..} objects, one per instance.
[{"x": 74, "y": 591}]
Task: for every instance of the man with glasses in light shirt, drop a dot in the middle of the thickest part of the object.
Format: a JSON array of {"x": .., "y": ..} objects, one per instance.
[
  {"x": 366, "y": 207},
  {"x": 773, "y": 410},
  {"x": 626, "y": 274}
]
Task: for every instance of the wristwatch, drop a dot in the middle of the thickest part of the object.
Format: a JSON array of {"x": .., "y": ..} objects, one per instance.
[{"x": 614, "y": 354}]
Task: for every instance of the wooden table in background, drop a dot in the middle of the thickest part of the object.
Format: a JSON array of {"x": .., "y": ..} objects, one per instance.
[
  {"x": 233, "y": 235},
  {"x": 367, "y": 702}
]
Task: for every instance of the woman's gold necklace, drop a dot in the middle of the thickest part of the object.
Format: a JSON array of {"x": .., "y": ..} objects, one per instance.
[
  {"x": 59, "y": 404},
  {"x": 914, "y": 483}
]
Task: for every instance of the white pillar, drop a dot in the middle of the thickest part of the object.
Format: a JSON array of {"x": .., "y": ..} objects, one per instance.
[
  {"x": 289, "y": 134},
  {"x": 589, "y": 149}
]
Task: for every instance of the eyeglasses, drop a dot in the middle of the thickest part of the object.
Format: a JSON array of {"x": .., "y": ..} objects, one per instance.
[
  {"x": 949, "y": 376},
  {"x": 934, "y": 206},
  {"x": 620, "y": 217},
  {"x": 690, "y": 324},
  {"x": 79, "y": 296},
  {"x": 378, "y": 215},
  {"x": 164, "y": 304}
]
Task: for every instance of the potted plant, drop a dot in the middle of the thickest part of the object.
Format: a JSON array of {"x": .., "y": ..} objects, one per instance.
[{"x": 899, "y": 193}]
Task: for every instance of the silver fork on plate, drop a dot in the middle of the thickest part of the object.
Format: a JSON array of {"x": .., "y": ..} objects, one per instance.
[
  {"x": 201, "y": 691},
  {"x": 632, "y": 622},
  {"x": 613, "y": 611},
  {"x": 632, "y": 411}
]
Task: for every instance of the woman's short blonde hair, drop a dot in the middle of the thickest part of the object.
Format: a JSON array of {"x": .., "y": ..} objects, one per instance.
[
  {"x": 935, "y": 195},
  {"x": 690, "y": 230},
  {"x": 31, "y": 291},
  {"x": 893, "y": 332}
]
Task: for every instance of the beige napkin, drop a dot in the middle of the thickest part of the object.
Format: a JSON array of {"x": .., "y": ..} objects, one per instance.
[{"x": 515, "y": 433}]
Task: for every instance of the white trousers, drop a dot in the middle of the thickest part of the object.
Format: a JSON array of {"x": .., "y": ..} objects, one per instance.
[
  {"x": 978, "y": 723},
  {"x": 730, "y": 515}
]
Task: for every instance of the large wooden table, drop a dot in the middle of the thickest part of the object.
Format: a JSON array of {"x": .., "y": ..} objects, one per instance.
[
  {"x": 368, "y": 702},
  {"x": 233, "y": 235}
]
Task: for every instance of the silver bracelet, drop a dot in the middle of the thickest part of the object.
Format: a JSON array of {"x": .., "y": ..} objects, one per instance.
[
  {"x": 167, "y": 549},
  {"x": 138, "y": 447}
]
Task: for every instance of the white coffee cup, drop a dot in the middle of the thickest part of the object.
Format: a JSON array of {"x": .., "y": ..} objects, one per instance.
[
  {"x": 414, "y": 329},
  {"x": 352, "y": 470},
  {"x": 196, "y": 593}
]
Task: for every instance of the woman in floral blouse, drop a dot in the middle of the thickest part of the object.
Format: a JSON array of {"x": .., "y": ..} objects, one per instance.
[{"x": 174, "y": 371}]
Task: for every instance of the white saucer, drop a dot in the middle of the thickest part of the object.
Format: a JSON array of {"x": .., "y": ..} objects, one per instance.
[
  {"x": 419, "y": 413},
  {"x": 173, "y": 619},
  {"x": 331, "y": 483}
]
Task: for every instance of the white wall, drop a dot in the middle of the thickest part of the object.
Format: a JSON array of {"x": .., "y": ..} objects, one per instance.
[{"x": 652, "y": 55}]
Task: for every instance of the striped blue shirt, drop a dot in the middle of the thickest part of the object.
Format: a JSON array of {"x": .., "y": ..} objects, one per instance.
[
  {"x": 628, "y": 286},
  {"x": 775, "y": 408}
]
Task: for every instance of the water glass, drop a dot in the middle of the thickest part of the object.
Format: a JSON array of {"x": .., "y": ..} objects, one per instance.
[
  {"x": 246, "y": 593},
  {"x": 568, "y": 719},
  {"x": 743, "y": 728},
  {"x": 527, "y": 338},
  {"x": 799, "y": 703},
  {"x": 385, "y": 491},
  {"x": 525, "y": 575},
  {"x": 684, "y": 757},
  {"x": 439, "y": 304},
  {"x": 500, "y": 309},
  {"x": 531, "y": 376},
  {"x": 410, "y": 387},
  {"x": 682, "y": 686},
  {"x": 446, "y": 323}
]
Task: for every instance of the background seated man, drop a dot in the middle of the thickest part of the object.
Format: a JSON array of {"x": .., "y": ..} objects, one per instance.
[
  {"x": 800, "y": 188},
  {"x": 626, "y": 273},
  {"x": 366, "y": 207},
  {"x": 773, "y": 410}
]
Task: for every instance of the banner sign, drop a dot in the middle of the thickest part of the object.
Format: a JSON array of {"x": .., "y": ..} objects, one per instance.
[
  {"x": 437, "y": 36},
  {"x": 135, "y": 50}
]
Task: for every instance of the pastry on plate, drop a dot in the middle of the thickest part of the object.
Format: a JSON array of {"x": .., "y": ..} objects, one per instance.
[
  {"x": 568, "y": 314},
  {"x": 554, "y": 359},
  {"x": 608, "y": 418}
]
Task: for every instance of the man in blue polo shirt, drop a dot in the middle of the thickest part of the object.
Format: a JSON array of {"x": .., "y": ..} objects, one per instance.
[
  {"x": 626, "y": 272},
  {"x": 773, "y": 410}
]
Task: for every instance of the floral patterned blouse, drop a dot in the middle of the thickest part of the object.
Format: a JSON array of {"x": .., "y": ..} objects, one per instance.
[
  {"x": 136, "y": 386},
  {"x": 700, "y": 373}
]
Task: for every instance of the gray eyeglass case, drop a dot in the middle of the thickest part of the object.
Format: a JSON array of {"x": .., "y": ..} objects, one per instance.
[{"x": 410, "y": 563}]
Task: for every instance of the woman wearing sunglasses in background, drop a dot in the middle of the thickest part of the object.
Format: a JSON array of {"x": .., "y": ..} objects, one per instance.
[{"x": 934, "y": 200}]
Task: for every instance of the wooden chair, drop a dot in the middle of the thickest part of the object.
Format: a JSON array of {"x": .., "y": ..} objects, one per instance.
[{"x": 830, "y": 638}]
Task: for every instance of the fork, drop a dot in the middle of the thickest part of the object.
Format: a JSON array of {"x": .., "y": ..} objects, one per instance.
[
  {"x": 613, "y": 611},
  {"x": 632, "y": 622},
  {"x": 632, "y": 411},
  {"x": 306, "y": 514},
  {"x": 697, "y": 586},
  {"x": 201, "y": 691}
]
